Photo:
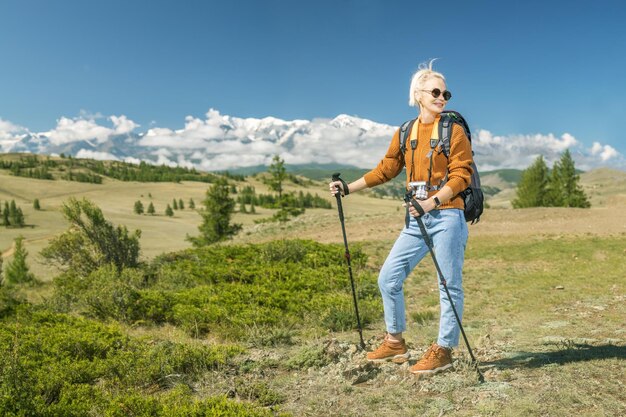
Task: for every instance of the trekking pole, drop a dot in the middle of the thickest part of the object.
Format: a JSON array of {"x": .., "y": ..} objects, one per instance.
[
  {"x": 347, "y": 255},
  {"x": 431, "y": 249}
]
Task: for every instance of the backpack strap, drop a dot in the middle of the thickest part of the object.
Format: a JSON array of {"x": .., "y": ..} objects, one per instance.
[
  {"x": 405, "y": 131},
  {"x": 448, "y": 119}
]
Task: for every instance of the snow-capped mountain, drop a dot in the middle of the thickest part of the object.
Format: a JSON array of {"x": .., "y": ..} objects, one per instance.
[
  {"x": 219, "y": 142},
  {"x": 222, "y": 142}
]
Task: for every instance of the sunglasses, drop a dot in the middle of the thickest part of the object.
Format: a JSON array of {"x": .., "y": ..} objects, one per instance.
[{"x": 437, "y": 92}]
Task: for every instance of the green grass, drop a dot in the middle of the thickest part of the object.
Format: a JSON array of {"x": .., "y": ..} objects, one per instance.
[{"x": 543, "y": 314}]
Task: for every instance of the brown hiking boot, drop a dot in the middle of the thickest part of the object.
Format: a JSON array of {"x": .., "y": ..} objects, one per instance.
[
  {"x": 390, "y": 351},
  {"x": 436, "y": 359}
]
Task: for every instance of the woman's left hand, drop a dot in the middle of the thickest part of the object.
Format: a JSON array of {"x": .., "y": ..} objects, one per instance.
[{"x": 427, "y": 205}]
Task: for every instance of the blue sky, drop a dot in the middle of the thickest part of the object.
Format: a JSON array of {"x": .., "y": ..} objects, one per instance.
[{"x": 515, "y": 68}]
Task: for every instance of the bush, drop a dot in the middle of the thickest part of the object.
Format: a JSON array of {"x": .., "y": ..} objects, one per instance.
[
  {"x": 92, "y": 241},
  {"x": 309, "y": 356},
  {"x": 263, "y": 294},
  {"x": 266, "y": 291},
  {"x": 54, "y": 364}
]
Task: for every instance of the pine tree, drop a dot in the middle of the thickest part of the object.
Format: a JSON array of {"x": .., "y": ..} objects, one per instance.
[
  {"x": 36, "y": 205},
  {"x": 168, "y": 211},
  {"x": 92, "y": 241},
  {"x": 278, "y": 173},
  {"x": 219, "y": 207},
  {"x": 138, "y": 207},
  {"x": 13, "y": 213},
  {"x": 242, "y": 208},
  {"x": 532, "y": 188},
  {"x": 19, "y": 217},
  {"x": 175, "y": 204},
  {"x": 564, "y": 186},
  {"x": 151, "y": 210},
  {"x": 192, "y": 204},
  {"x": 181, "y": 205},
  {"x": 5, "y": 215},
  {"x": 17, "y": 270}
]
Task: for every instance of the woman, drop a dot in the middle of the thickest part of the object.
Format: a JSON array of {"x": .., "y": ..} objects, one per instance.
[{"x": 443, "y": 218}]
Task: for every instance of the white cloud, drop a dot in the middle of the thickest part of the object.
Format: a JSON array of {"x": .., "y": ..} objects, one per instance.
[
  {"x": 100, "y": 156},
  {"x": 605, "y": 152},
  {"x": 519, "y": 151},
  {"x": 9, "y": 131},
  {"x": 85, "y": 127},
  {"x": 219, "y": 142},
  {"x": 122, "y": 124}
]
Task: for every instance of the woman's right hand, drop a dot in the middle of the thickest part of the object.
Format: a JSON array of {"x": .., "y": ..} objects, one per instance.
[{"x": 336, "y": 186}]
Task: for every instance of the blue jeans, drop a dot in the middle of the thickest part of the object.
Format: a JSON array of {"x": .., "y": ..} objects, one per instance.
[{"x": 448, "y": 232}]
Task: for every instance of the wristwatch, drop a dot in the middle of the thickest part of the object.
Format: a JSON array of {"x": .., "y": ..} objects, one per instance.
[{"x": 437, "y": 201}]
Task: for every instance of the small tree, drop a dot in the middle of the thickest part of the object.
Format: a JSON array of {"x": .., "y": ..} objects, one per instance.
[
  {"x": 19, "y": 217},
  {"x": 242, "y": 208},
  {"x": 5, "y": 215},
  {"x": 138, "y": 207},
  {"x": 278, "y": 175},
  {"x": 151, "y": 208},
  {"x": 17, "y": 269},
  {"x": 219, "y": 207},
  {"x": 564, "y": 186},
  {"x": 92, "y": 241},
  {"x": 181, "y": 205},
  {"x": 168, "y": 211},
  {"x": 36, "y": 204},
  {"x": 532, "y": 188},
  {"x": 192, "y": 204},
  {"x": 175, "y": 204},
  {"x": 252, "y": 209}
]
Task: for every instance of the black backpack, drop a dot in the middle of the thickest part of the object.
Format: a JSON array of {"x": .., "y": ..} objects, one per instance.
[{"x": 472, "y": 195}]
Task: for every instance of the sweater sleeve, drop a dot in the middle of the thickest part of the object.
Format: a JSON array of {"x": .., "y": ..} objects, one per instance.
[
  {"x": 389, "y": 167},
  {"x": 460, "y": 161}
]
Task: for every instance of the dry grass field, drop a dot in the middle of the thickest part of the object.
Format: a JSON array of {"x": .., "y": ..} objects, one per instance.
[{"x": 365, "y": 217}]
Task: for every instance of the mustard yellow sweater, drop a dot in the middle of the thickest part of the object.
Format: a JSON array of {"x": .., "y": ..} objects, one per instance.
[{"x": 417, "y": 162}]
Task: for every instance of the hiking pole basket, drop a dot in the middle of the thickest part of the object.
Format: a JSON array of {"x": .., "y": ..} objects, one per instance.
[
  {"x": 410, "y": 200},
  {"x": 347, "y": 256}
]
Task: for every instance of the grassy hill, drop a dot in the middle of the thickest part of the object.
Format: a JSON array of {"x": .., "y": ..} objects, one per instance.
[{"x": 262, "y": 325}]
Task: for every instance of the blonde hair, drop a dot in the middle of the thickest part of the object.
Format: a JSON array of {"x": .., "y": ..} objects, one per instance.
[{"x": 424, "y": 72}]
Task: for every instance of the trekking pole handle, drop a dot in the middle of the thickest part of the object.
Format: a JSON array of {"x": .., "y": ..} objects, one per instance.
[
  {"x": 336, "y": 177},
  {"x": 338, "y": 197}
]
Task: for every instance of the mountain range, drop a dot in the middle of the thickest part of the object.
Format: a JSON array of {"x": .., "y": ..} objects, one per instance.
[
  {"x": 221, "y": 142},
  {"x": 207, "y": 144}
]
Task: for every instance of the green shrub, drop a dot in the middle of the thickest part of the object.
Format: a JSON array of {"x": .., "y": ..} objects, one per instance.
[
  {"x": 267, "y": 336},
  {"x": 9, "y": 301},
  {"x": 257, "y": 391},
  {"x": 309, "y": 356},
  {"x": 279, "y": 287},
  {"x": 57, "y": 365}
]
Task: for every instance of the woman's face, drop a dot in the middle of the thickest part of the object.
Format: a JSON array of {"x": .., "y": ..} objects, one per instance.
[{"x": 429, "y": 103}]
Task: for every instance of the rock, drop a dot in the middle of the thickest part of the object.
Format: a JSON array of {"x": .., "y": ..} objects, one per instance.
[
  {"x": 559, "y": 287},
  {"x": 361, "y": 373}
]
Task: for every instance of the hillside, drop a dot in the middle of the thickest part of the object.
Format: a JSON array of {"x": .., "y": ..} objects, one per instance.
[
  {"x": 263, "y": 325},
  {"x": 606, "y": 188}
]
